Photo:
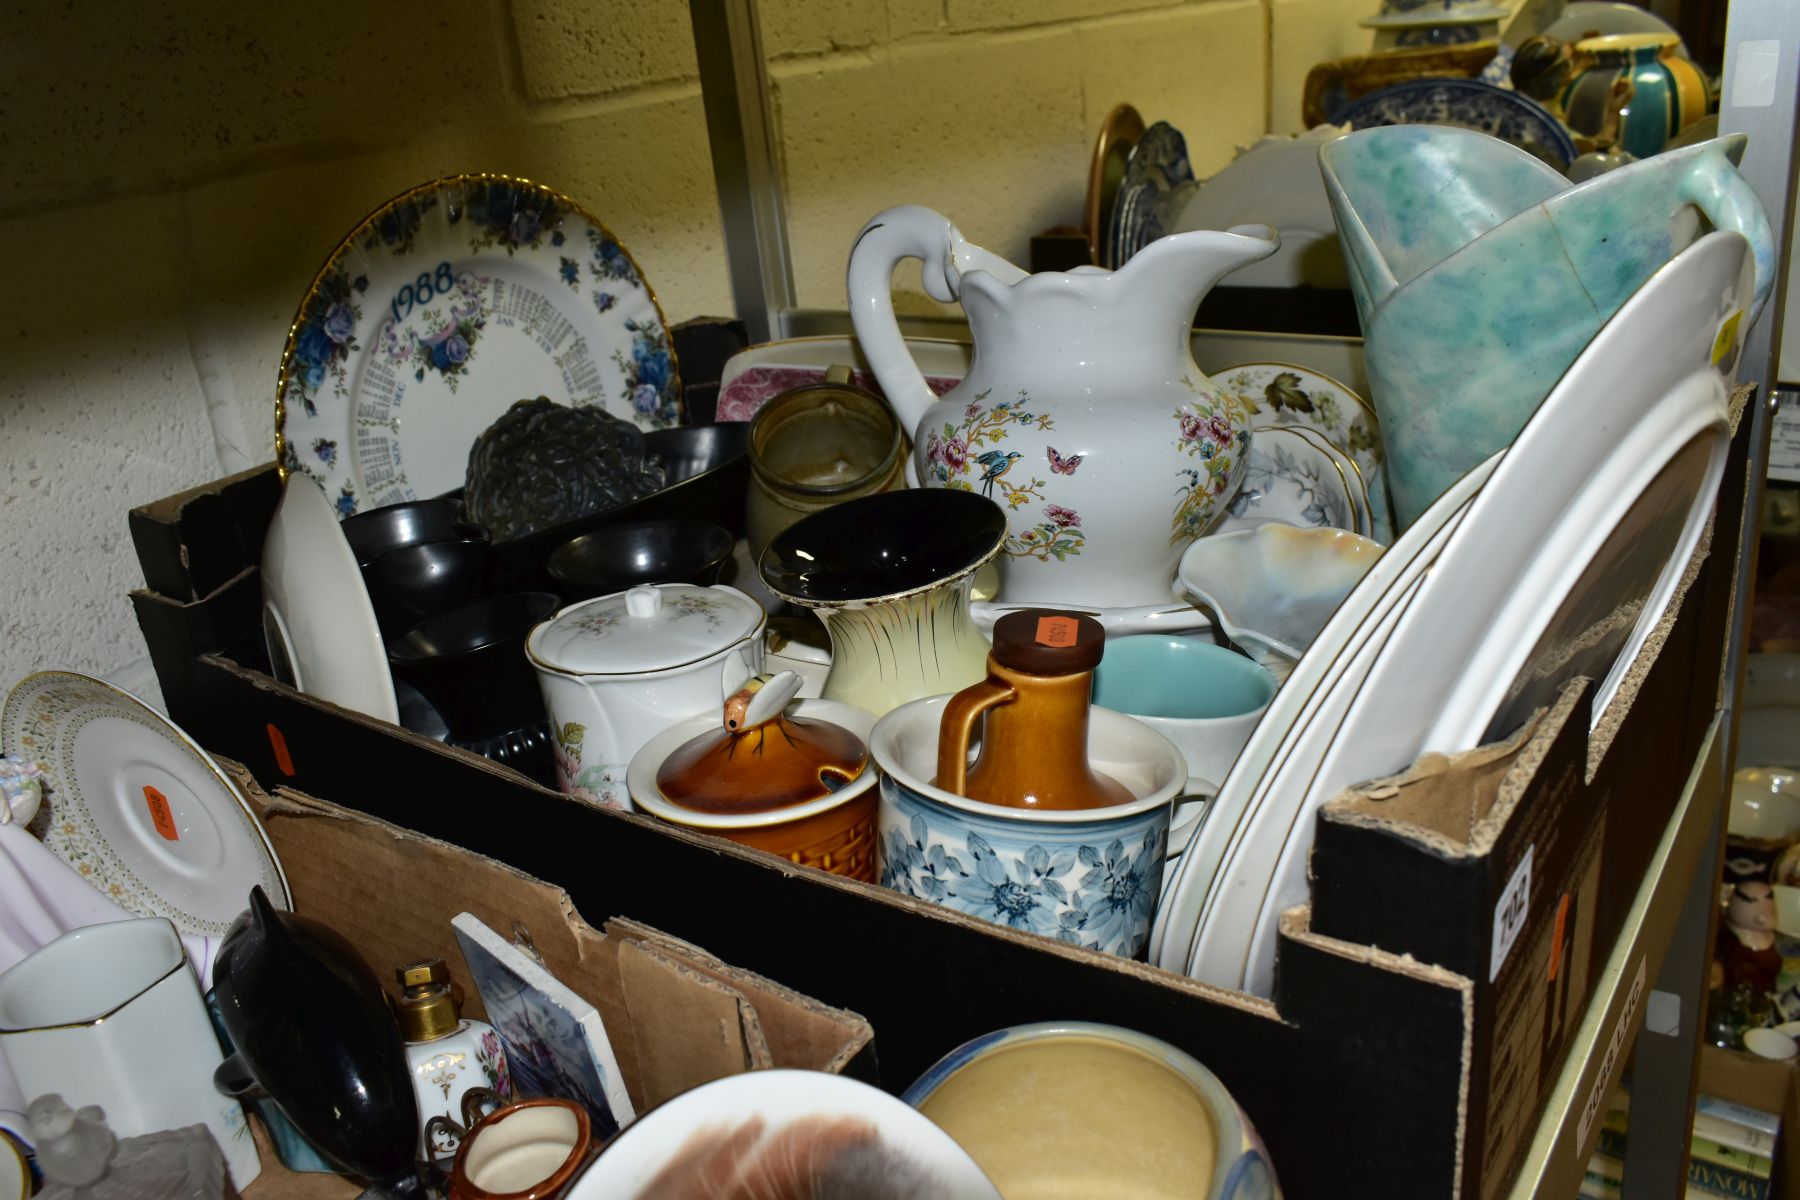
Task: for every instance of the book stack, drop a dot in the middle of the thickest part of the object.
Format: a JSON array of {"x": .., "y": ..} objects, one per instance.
[{"x": 1732, "y": 1153}]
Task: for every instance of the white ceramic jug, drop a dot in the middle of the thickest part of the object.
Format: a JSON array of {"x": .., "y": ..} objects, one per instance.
[{"x": 1083, "y": 414}]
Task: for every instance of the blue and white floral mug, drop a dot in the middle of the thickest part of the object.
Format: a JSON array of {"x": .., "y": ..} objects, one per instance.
[{"x": 1088, "y": 877}]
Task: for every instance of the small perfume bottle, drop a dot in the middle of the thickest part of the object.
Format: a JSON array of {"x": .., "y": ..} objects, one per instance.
[{"x": 448, "y": 1055}]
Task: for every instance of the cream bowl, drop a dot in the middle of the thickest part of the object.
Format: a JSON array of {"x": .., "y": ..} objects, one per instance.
[
  {"x": 1157, "y": 1123},
  {"x": 1088, "y": 877}
]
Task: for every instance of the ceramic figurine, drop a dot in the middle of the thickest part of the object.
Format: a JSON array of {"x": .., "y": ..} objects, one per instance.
[
  {"x": 449, "y": 1054},
  {"x": 890, "y": 576},
  {"x": 618, "y": 670},
  {"x": 1083, "y": 414},
  {"x": 815, "y": 446},
  {"x": 1480, "y": 273},
  {"x": 82, "y": 1160},
  {"x": 1033, "y": 711},
  {"x": 313, "y": 1029},
  {"x": 1746, "y": 945}
]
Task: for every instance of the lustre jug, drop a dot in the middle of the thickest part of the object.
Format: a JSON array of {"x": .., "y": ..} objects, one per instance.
[{"x": 1083, "y": 414}]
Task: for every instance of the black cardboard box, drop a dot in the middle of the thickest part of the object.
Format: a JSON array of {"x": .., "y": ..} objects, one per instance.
[{"x": 1369, "y": 1075}]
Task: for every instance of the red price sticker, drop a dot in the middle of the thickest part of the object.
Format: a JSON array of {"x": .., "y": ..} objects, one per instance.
[
  {"x": 1057, "y": 631},
  {"x": 284, "y": 762},
  {"x": 160, "y": 816},
  {"x": 1556, "y": 939}
]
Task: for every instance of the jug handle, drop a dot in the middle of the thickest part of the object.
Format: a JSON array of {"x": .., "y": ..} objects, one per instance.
[
  {"x": 958, "y": 724},
  {"x": 1715, "y": 187},
  {"x": 909, "y": 231}
]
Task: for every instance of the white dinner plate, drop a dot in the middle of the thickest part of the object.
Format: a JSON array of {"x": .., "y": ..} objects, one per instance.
[
  {"x": 1177, "y": 919},
  {"x": 317, "y": 618},
  {"x": 136, "y": 807},
  {"x": 437, "y": 312},
  {"x": 1565, "y": 562}
]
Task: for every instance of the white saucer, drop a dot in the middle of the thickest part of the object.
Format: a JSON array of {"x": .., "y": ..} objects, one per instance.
[
  {"x": 317, "y": 617},
  {"x": 137, "y": 808}
]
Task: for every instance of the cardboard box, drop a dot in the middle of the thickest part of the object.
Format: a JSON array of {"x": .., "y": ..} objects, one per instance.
[
  {"x": 1379, "y": 1068},
  {"x": 677, "y": 1016}
]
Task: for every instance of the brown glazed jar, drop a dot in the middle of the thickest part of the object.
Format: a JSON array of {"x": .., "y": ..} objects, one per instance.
[{"x": 1034, "y": 704}]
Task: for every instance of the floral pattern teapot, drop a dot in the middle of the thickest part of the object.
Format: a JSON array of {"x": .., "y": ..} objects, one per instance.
[{"x": 1083, "y": 414}]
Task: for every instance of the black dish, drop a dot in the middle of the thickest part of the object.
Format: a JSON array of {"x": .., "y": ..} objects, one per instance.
[
  {"x": 470, "y": 664},
  {"x": 883, "y": 545},
  {"x": 664, "y": 550},
  {"x": 411, "y": 583},
  {"x": 415, "y": 522},
  {"x": 313, "y": 1031}
]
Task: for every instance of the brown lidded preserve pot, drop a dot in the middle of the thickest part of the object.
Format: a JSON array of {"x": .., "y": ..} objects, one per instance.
[{"x": 1034, "y": 707}]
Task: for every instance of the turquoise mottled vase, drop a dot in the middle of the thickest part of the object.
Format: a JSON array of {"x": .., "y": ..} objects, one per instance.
[{"x": 1480, "y": 273}]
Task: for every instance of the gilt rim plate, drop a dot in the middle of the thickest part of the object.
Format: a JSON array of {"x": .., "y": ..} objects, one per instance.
[
  {"x": 438, "y": 311},
  {"x": 1284, "y": 395},
  {"x": 136, "y": 807}
]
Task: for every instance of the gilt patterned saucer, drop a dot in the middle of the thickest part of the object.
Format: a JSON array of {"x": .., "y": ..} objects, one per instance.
[
  {"x": 437, "y": 312},
  {"x": 135, "y": 807}
]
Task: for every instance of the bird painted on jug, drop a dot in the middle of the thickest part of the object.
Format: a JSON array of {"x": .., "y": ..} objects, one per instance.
[{"x": 994, "y": 464}]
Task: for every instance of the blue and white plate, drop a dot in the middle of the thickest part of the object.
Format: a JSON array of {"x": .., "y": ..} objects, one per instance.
[
  {"x": 437, "y": 312},
  {"x": 1469, "y": 104},
  {"x": 1295, "y": 477},
  {"x": 1158, "y": 166}
]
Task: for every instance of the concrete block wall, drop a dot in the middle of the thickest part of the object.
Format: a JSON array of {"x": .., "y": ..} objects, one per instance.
[{"x": 175, "y": 179}]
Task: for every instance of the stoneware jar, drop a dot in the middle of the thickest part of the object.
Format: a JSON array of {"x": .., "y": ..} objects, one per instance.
[
  {"x": 1168, "y": 1129},
  {"x": 1083, "y": 414},
  {"x": 791, "y": 777},
  {"x": 618, "y": 670},
  {"x": 1033, "y": 714},
  {"x": 1088, "y": 877}
]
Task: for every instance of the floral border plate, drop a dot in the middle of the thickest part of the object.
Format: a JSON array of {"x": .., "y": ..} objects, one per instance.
[
  {"x": 443, "y": 307},
  {"x": 137, "y": 808},
  {"x": 1280, "y": 394}
]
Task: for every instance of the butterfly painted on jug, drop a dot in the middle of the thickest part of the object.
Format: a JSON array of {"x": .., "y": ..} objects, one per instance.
[{"x": 1063, "y": 464}]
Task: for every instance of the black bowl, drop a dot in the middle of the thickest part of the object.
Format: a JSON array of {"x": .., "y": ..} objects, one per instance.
[
  {"x": 718, "y": 457},
  {"x": 470, "y": 663},
  {"x": 883, "y": 545},
  {"x": 664, "y": 550},
  {"x": 410, "y": 583},
  {"x": 414, "y": 522}
]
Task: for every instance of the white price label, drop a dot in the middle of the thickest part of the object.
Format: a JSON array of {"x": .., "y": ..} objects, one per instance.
[{"x": 1510, "y": 912}]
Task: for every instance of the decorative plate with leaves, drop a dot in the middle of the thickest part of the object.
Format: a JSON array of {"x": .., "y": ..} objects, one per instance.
[
  {"x": 1282, "y": 395},
  {"x": 442, "y": 308}
]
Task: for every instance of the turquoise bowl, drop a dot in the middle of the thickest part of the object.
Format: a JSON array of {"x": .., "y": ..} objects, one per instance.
[
  {"x": 1165, "y": 675},
  {"x": 1145, "y": 1139}
]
